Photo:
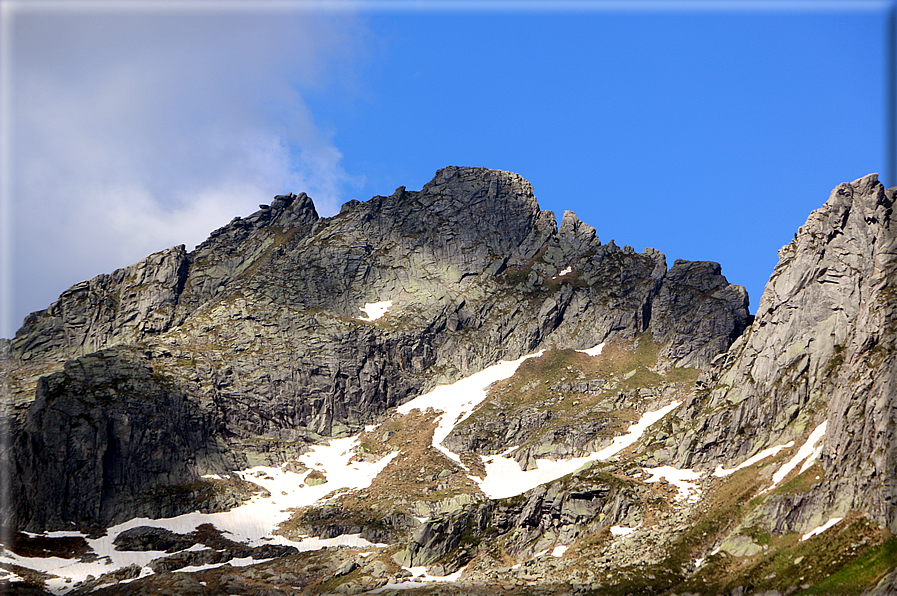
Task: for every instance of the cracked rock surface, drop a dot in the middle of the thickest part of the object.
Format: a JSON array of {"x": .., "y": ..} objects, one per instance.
[{"x": 259, "y": 324}]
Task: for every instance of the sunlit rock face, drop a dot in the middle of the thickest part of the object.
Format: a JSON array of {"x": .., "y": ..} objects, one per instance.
[
  {"x": 819, "y": 350},
  {"x": 263, "y": 328},
  {"x": 462, "y": 395}
]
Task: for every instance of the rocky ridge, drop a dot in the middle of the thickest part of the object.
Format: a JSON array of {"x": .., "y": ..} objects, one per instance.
[
  {"x": 772, "y": 474},
  {"x": 260, "y": 322},
  {"x": 819, "y": 350}
]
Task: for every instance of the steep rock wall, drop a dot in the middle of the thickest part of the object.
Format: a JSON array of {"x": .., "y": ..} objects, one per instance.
[
  {"x": 259, "y": 324},
  {"x": 820, "y": 349},
  {"x": 106, "y": 441}
]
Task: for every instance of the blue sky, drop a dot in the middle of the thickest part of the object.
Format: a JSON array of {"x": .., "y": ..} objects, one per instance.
[{"x": 707, "y": 130}]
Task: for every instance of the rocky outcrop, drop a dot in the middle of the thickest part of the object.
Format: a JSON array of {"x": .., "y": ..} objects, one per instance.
[
  {"x": 547, "y": 516},
  {"x": 144, "y": 538},
  {"x": 257, "y": 351},
  {"x": 149, "y": 297},
  {"x": 105, "y": 441},
  {"x": 109, "y": 309},
  {"x": 819, "y": 349},
  {"x": 697, "y": 313},
  {"x": 259, "y": 324},
  {"x": 235, "y": 250},
  {"x": 119, "y": 308}
]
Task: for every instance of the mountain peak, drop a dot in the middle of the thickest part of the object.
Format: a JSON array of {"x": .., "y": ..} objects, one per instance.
[{"x": 445, "y": 378}]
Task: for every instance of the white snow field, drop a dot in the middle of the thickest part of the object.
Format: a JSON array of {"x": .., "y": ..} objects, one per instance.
[
  {"x": 593, "y": 351},
  {"x": 807, "y": 453},
  {"x": 684, "y": 480},
  {"x": 504, "y": 478},
  {"x": 720, "y": 472},
  {"x": 559, "y": 551},
  {"x": 821, "y": 528},
  {"x": 621, "y": 531},
  {"x": 374, "y": 310},
  {"x": 253, "y": 522},
  {"x": 458, "y": 400}
]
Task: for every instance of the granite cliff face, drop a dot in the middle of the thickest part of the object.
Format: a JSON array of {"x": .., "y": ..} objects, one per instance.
[
  {"x": 259, "y": 325},
  {"x": 819, "y": 351},
  {"x": 650, "y": 436}
]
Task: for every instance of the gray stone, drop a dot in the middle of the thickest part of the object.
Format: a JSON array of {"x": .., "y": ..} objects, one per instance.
[
  {"x": 259, "y": 327},
  {"x": 820, "y": 349},
  {"x": 144, "y": 538}
]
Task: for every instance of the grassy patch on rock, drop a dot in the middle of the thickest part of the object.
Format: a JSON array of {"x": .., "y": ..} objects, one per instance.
[{"x": 567, "y": 403}]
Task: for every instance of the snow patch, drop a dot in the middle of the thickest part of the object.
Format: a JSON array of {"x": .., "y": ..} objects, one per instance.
[
  {"x": 212, "y": 477},
  {"x": 621, "y": 531},
  {"x": 55, "y": 534},
  {"x": 565, "y": 271},
  {"x": 684, "y": 480},
  {"x": 720, "y": 472},
  {"x": 354, "y": 540},
  {"x": 239, "y": 562},
  {"x": 457, "y": 401},
  {"x": 420, "y": 575},
  {"x": 253, "y": 522},
  {"x": 559, "y": 551},
  {"x": 821, "y": 528},
  {"x": 374, "y": 310},
  {"x": 504, "y": 478},
  {"x": 9, "y": 576},
  {"x": 808, "y": 452},
  {"x": 593, "y": 351}
]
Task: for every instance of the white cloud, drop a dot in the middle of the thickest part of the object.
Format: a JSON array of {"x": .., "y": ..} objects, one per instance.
[{"x": 135, "y": 132}]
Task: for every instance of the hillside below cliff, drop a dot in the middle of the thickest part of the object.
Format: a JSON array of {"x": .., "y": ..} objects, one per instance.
[{"x": 448, "y": 391}]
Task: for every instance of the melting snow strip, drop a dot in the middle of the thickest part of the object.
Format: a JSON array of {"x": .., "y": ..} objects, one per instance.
[
  {"x": 374, "y": 310},
  {"x": 720, "y": 472},
  {"x": 593, "y": 351},
  {"x": 821, "y": 528},
  {"x": 458, "y": 400},
  {"x": 240, "y": 562},
  {"x": 420, "y": 576},
  {"x": 808, "y": 451},
  {"x": 636, "y": 431},
  {"x": 504, "y": 478},
  {"x": 9, "y": 576}
]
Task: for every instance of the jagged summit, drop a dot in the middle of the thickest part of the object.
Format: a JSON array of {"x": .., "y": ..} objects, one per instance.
[
  {"x": 495, "y": 397},
  {"x": 819, "y": 347},
  {"x": 268, "y": 309}
]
